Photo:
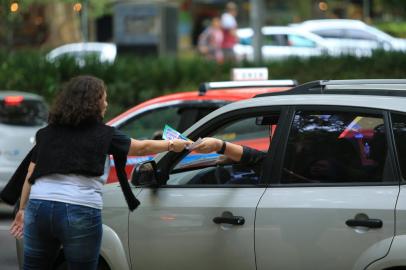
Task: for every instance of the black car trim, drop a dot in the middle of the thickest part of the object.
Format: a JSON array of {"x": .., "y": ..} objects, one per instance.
[
  {"x": 396, "y": 162},
  {"x": 272, "y": 163}
]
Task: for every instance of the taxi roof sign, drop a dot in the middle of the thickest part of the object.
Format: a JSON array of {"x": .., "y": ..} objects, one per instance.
[
  {"x": 204, "y": 87},
  {"x": 249, "y": 74}
]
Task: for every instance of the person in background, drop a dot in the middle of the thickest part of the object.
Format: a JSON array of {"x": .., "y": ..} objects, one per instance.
[
  {"x": 211, "y": 40},
  {"x": 61, "y": 197},
  {"x": 229, "y": 26}
]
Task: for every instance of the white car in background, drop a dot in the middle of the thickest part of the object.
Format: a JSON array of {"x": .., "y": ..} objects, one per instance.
[
  {"x": 280, "y": 42},
  {"x": 21, "y": 115},
  {"x": 353, "y": 36},
  {"x": 104, "y": 52}
]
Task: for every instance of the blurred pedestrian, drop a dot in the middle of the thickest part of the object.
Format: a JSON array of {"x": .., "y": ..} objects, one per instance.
[
  {"x": 65, "y": 177},
  {"x": 211, "y": 40},
  {"x": 229, "y": 26}
]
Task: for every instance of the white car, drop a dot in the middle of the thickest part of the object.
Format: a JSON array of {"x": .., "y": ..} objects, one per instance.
[
  {"x": 280, "y": 42},
  {"x": 329, "y": 194},
  {"x": 21, "y": 115},
  {"x": 354, "y": 36},
  {"x": 104, "y": 52}
]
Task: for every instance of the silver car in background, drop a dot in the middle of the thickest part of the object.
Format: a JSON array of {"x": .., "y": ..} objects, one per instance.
[
  {"x": 353, "y": 36},
  {"x": 21, "y": 115},
  {"x": 103, "y": 52},
  {"x": 281, "y": 42}
]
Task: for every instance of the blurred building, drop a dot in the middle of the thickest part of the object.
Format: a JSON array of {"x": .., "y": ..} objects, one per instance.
[{"x": 54, "y": 23}]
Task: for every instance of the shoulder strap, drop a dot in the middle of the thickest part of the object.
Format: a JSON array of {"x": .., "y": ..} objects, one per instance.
[{"x": 120, "y": 161}]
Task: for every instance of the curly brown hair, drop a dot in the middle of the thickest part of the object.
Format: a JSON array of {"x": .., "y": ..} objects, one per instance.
[{"x": 79, "y": 102}]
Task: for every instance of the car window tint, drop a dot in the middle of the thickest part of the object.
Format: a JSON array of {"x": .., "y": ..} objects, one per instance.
[
  {"x": 24, "y": 113},
  {"x": 359, "y": 34},
  {"x": 300, "y": 41},
  {"x": 330, "y": 33},
  {"x": 245, "y": 40},
  {"x": 399, "y": 132},
  {"x": 212, "y": 168},
  {"x": 150, "y": 124},
  {"x": 335, "y": 147}
]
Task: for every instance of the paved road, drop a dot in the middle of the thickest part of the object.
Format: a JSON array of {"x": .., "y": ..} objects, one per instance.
[{"x": 8, "y": 258}]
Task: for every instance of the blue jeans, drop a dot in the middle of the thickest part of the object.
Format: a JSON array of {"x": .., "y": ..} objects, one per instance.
[{"x": 48, "y": 225}]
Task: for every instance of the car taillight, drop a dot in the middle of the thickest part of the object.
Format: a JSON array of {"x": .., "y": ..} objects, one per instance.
[{"x": 13, "y": 100}]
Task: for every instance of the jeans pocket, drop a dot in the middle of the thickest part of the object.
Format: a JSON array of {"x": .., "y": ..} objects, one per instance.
[
  {"x": 82, "y": 217},
  {"x": 31, "y": 211}
]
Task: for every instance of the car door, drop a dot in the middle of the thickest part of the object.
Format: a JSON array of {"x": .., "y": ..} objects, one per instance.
[
  {"x": 203, "y": 216},
  {"x": 333, "y": 194}
]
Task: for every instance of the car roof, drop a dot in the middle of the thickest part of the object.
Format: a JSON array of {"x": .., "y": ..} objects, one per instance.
[
  {"x": 379, "y": 87},
  {"x": 280, "y": 30},
  {"x": 322, "y": 22},
  {"x": 312, "y": 25},
  {"x": 26, "y": 95},
  {"x": 84, "y": 46},
  {"x": 87, "y": 45},
  {"x": 246, "y": 32},
  {"x": 229, "y": 95}
]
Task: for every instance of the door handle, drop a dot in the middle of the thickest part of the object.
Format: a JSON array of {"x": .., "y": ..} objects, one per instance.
[
  {"x": 370, "y": 223},
  {"x": 234, "y": 220}
]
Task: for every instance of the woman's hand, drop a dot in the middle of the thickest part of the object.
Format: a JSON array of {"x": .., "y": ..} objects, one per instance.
[
  {"x": 208, "y": 145},
  {"x": 17, "y": 227},
  {"x": 178, "y": 145}
]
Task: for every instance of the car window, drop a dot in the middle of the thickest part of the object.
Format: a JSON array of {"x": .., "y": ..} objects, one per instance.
[
  {"x": 276, "y": 40},
  {"x": 23, "y": 112},
  {"x": 399, "y": 132},
  {"x": 300, "y": 41},
  {"x": 201, "y": 169},
  {"x": 359, "y": 34},
  {"x": 245, "y": 40},
  {"x": 150, "y": 125},
  {"x": 335, "y": 147},
  {"x": 330, "y": 33}
]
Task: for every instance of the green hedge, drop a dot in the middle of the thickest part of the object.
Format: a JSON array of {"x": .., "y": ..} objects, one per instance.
[
  {"x": 132, "y": 79},
  {"x": 396, "y": 29}
]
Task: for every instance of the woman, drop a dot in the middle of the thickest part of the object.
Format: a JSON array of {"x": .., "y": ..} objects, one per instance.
[
  {"x": 64, "y": 179},
  {"x": 210, "y": 40}
]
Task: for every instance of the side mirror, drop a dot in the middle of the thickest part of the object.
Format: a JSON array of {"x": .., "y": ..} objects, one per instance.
[{"x": 145, "y": 174}]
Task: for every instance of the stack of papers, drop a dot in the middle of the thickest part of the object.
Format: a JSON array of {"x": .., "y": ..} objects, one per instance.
[{"x": 171, "y": 134}]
